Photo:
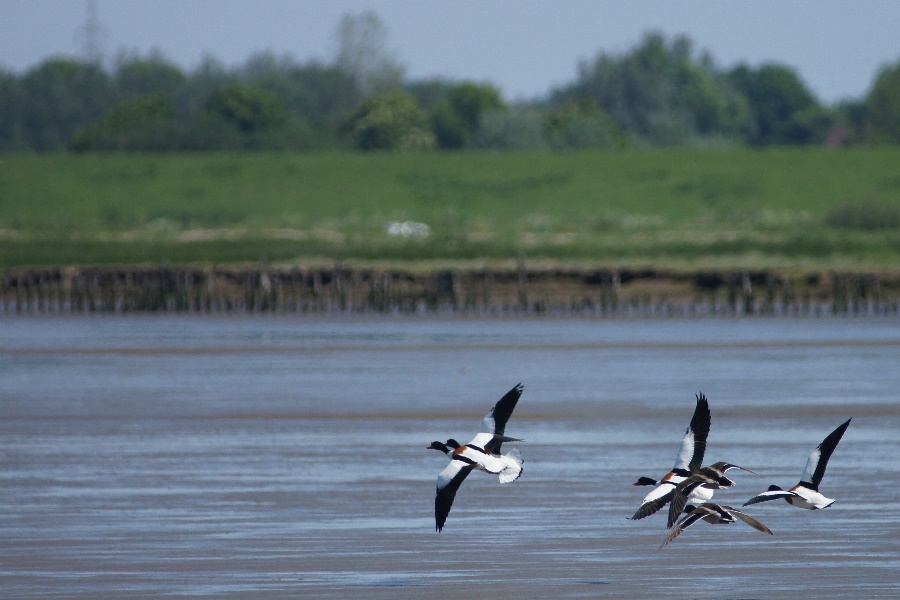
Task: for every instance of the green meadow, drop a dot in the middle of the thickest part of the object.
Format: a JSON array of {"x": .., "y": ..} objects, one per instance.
[{"x": 778, "y": 208}]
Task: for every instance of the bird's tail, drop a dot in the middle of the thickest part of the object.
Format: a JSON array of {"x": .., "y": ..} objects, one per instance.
[{"x": 512, "y": 466}]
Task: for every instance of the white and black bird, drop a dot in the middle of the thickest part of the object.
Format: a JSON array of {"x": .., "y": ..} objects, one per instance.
[
  {"x": 512, "y": 460},
  {"x": 700, "y": 486},
  {"x": 689, "y": 460},
  {"x": 712, "y": 513},
  {"x": 806, "y": 493},
  {"x": 482, "y": 453}
]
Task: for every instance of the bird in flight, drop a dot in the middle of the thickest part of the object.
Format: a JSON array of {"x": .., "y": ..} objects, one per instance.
[
  {"x": 688, "y": 461},
  {"x": 806, "y": 493},
  {"x": 482, "y": 453}
]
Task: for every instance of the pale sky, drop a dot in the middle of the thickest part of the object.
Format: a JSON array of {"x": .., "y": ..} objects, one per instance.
[{"x": 525, "y": 47}]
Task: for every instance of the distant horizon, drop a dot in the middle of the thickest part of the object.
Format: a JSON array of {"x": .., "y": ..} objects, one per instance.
[{"x": 837, "y": 50}]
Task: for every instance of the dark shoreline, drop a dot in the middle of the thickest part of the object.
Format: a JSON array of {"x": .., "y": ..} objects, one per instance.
[{"x": 516, "y": 289}]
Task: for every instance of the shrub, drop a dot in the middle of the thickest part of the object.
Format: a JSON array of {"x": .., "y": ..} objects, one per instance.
[
  {"x": 516, "y": 129},
  {"x": 144, "y": 124},
  {"x": 390, "y": 121},
  {"x": 249, "y": 109},
  {"x": 865, "y": 215}
]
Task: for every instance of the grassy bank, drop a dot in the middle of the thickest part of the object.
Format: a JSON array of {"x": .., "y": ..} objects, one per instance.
[{"x": 785, "y": 208}]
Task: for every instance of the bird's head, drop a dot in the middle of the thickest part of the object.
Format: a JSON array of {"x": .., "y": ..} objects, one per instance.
[
  {"x": 644, "y": 481},
  {"x": 437, "y": 446}
]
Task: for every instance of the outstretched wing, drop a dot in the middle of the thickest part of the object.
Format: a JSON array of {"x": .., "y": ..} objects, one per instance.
[
  {"x": 654, "y": 501},
  {"x": 773, "y": 493},
  {"x": 748, "y": 520},
  {"x": 693, "y": 444},
  {"x": 694, "y": 516},
  {"x": 682, "y": 491},
  {"x": 818, "y": 459},
  {"x": 495, "y": 421},
  {"x": 489, "y": 442},
  {"x": 448, "y": 483}
]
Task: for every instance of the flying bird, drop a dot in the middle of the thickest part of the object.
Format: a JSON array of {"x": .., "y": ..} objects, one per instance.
[
  {"x": 715, "y": 514},
  {"x": 806, "y": 493},
  {"x": 701, "y": 485},
  {"x": 482, "y": 453},
  {"x": 689, "y": 460},
  {"x": 512, "y": 460}
]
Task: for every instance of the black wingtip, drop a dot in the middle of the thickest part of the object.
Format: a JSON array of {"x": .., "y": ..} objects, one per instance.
[
  {"x": 701, "y": 419},
  {"x": 826, "y": 448},
  {"x": 503, "y": 409},
  {"x": 831, "y": 441},
  {"x": 841, "y": 428}
]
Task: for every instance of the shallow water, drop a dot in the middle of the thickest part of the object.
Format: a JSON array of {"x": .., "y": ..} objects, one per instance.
[{"x": 285, "y": 457}]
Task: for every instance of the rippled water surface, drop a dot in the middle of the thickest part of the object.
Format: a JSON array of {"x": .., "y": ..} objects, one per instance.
[{"x": 285, "y": 457}]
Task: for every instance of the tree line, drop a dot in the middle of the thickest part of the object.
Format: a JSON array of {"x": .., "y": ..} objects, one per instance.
[{"x": 660, "y": 93}]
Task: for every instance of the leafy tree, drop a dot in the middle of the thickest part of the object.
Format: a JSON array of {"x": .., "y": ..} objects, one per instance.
[
  {"x": 390, "y": 121},
  {"x": 712, "y": 104},
  {"x": 317, "y": 97},
  {"x": 248, "y": 108},
  {"x": 364, "y": 56},
  {"x": 782, "y": 109},
  {"x": 136, "y": 78},
  {"x": 144, "y": 124},
  {"x": 516, "y": 129},
  {"x": 659, "y": 92},
  {"x": 582, "y": 124},
  {"x": 12, "y": 114},
  {"x": 450, "y": 130},
  {"x": 852, "y": 121},
  {"x": 242, "y": 117},
  {"x": 61, "y": 96},
  {"x": 883, "y": 105},
  {"x": 471, "y": 100},
  {"x": 429, "y": 93},
  {"x": 457, "y": 118},
  {"x": 210, "y": 77}
]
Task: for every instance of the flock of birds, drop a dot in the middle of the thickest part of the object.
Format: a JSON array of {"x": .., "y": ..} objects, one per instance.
[{"x": 688, "y": 488}]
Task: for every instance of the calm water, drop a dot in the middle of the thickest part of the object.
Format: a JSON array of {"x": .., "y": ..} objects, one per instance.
[{"x": 285, "y": 457}]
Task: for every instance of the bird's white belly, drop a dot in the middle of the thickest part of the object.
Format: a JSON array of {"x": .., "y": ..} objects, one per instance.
[
  {"x": 700, "y": 494},
  {"x": 485, "y": 462},
  {"x": 809, "y": 499}
]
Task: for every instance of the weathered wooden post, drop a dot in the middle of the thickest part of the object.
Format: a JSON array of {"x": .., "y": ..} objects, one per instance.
[
  {"x": 747, "y": 291},
  {"x": 522, "y": 282}
]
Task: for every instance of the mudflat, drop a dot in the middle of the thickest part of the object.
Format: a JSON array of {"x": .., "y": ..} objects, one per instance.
[{"x": 286, "y": 457}]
